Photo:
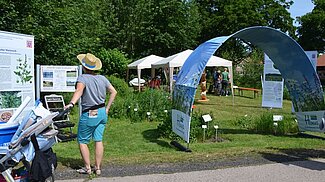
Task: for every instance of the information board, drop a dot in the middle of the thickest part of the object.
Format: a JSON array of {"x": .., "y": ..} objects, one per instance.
[
  {"x": 17, "y": 72},
  {"x": 272, "y": 85},
  {"x": 58, "y": 78}
]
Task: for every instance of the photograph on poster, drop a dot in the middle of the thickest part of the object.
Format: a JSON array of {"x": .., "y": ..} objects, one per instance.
[
  {"x": 23, "y": 71},
  {"x": 72, "y": 73},
  {"x": 10, "y": 99},
  {"x": 47, "y": 84},
  {"x": 5, "y": 115},
  {"x": 273, "y": 77},
  {"x": 47, "y": 74},
  {"x": 71, "y": 83}
]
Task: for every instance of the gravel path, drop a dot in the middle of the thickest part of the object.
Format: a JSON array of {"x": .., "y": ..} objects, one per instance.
[
  {"x": 169, "y": 168},
  {"x": 312, "y": 170}
]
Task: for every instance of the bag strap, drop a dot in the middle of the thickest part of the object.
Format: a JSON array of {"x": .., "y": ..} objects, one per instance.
[{"x": 34, "y": 141}]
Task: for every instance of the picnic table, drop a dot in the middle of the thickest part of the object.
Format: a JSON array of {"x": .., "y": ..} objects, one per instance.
[{"x": 240, "y": 90}]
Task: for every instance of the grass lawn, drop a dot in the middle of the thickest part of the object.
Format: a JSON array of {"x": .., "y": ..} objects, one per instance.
[{"x": 138, "y": 143}]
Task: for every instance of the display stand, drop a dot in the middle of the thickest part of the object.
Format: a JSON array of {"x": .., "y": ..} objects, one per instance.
[{"x": 55, "y": 103}]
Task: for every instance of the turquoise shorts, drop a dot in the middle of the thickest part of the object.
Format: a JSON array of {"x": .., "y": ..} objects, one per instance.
[{"x": 92, "y": 126}]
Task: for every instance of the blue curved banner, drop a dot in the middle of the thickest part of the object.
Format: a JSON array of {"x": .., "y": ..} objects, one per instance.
[{"x": 300, "y": 77}]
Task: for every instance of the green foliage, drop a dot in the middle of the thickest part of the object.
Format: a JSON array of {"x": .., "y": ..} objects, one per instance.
[
  {"x": 64, "y": 29},
  {"x": 225, "y": 17},
  {"x": 196, "y": 131},
  {"x": 245, "y": 122},
  {"x": 253, "y": 69},
  {"x": 165, "y": 128},
  {"x": 114, "y": 62},
  {"x": 10, "y": 99},
  {"x": 156, "y": 27},
  {"x": 264, "y": 124},
  {"x": 287, "y": 126},
  {"x": 311, "y": 32},
  {"x": 23, "y": 71},
  {"x": 150, "y": 105},
  {"x": 286, "y": 94},
  {"x": 120, "y": 86}
]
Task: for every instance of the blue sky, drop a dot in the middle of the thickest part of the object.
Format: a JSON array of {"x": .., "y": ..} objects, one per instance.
[{"x": 300, "y": 8}]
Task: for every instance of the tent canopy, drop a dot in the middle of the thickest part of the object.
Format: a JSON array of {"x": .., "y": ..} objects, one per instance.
[
  {"x": 142, "y": 64},
  {"x": 217, "y": 61},
  {"x": 145, "y": 62},
  {"x": 177, "y": 60}
]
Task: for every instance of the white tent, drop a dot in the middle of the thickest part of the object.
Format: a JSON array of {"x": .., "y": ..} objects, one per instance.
[
  {"x": 177, "y": 60},
  {"x": 143, "y": 63}
]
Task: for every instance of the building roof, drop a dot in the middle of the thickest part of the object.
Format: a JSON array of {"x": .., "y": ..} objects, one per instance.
[{"x": 321, "y": 60}]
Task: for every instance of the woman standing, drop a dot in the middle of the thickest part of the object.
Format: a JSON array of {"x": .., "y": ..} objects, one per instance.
[{"x": 92, "y": 89}]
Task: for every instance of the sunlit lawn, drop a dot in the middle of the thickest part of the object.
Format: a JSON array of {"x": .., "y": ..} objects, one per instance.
[{"x": 127, "y": 143}]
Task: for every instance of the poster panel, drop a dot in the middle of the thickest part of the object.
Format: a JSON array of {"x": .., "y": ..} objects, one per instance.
[
  {"x": 183, "y": 99},
  {"x": 312, "y": 55},
  {"x": 58, "y": 78},
  {"x": 272, "y": 85},
  {"x": 311, "y": 121},
  {"x": 17, "y": 72}
]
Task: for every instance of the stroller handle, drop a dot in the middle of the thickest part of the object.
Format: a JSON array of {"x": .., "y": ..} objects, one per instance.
[{"x": 61, "y": 114}]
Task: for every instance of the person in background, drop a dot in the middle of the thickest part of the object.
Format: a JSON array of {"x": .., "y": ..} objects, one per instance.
[
  {"x": 225, "y": 81},
  {"x": 217, "y": 81},
  {"x": 92, "y": 89},
  {"x": 155, "y": 83},
  {"x": 158, "y": 81}
]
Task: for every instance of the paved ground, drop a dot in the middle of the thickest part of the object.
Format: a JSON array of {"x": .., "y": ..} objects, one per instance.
[
  {"x": 287, "y": 165},
  {"x": 295, "y": 171}
]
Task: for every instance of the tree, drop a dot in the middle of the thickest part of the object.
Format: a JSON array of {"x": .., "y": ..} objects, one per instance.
[
  {"x": 114, "y": 62},
  {"x": 253, "y": 69},
  {"x": 225, "y": 17},
  {"x": 311, "y": 32},
  {"x": 156, "y": 27}
]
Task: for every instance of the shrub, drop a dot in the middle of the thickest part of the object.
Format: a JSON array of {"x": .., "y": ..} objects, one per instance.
[
  {"x": 120, "y": 85},
  {"x": 246, "y": 122},
  {"x": 286, "y": 94},
  {"x": 114, "y": 62},
  {"x": 287, "y": 125},
  {"x": 196, "y": 131},
  {"x": 265, "y": 125},
  {"x": 149, "y": 105}
]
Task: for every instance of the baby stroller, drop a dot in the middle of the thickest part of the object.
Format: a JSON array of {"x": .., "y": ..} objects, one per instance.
[{"x": 31, "y": 142}]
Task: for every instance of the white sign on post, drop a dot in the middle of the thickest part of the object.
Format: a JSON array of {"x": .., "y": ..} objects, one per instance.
[
  {"x": 58, "y": 78},
  {"x": 181, "y": 126},
  {"x": 17, "y": 72},
  {"x": 207, "y": 118},
  {"x": 272, "y": 85}
]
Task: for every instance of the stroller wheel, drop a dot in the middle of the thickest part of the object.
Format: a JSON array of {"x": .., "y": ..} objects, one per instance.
[{"x": 50, "y": 179}]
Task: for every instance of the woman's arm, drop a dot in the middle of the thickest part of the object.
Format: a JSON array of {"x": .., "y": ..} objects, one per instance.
[
  {"x": 77, "y": 94},
  {"x": 113, "y": 93}
]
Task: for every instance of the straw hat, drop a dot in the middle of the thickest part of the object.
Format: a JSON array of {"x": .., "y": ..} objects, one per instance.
[{"x": 89, "y": 61}]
